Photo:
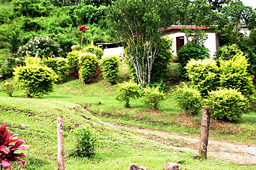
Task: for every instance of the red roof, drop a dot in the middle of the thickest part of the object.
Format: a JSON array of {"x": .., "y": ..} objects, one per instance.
[{"x": 179, "y": 27}]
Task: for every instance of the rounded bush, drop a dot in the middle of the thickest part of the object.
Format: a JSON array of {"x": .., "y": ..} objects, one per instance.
[
  {"x": 110, "y": 67},
  {"x": 126, "y": 91},
  {"x": 42, "y": 46},
  {"x": 91, "y": 48},
  {"x": 59, "y": 65},
  {"x": 86, "y": 142},
  {"x": 227, "y": 104},
  {"x": 35, "y": 80},
  {"x": 8, "y": 87},
  {"x": 89, "y": 67},
  {"x": 227, "y": 52},
  {"x": 203, "y": 75},
  {"x": 152, "y": 96},
  {"x": 188, "y": 99},
  {"x": 189, "y": 51},
  {"x": 73, "y": 59},
  {"x": 234, "y": 74}
]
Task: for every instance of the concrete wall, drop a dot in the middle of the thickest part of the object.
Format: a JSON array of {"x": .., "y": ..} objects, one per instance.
[{"x": 210, "y": 43}]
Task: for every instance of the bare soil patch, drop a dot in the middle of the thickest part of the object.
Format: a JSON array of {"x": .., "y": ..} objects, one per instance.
[{"x": 237, "y": 153}]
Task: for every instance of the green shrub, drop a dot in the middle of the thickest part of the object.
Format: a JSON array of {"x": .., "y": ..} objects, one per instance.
[
  {"x": 152, "y": 96},
  {"x": 32, "y": 8},
  {"x": 34, "y": 79},
  {"x": 174, "y": 76},
  {"x": 59, "y": 65},
  {"x": 73, "y": 59},
  {"x": 86, "y": 142},
  {"x": 189, "y": 51},
  {"x": 162, "y": 60},
  {"x": 233, "y": 74},
  {"x": 203, "y": 75},
  {"x": 91, "y": 48},
  {"x": 89, "y": 67},
  {"x": 188, "y": 99},
  {"x": 227, "y": 104},
  {"x": 110, "y": 68},
  {"x": 126, "y": 91},
  {"x": 227, "y": 52},
  {"x": 8, "y": 87}
]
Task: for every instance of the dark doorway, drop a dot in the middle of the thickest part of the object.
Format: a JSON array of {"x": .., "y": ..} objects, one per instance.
[{"x": 179, "y": 42}]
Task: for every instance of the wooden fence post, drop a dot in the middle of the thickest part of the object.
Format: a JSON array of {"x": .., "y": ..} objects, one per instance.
[
  {"x": 61, "y": 157},
  {"x": 205, "y": 127}
]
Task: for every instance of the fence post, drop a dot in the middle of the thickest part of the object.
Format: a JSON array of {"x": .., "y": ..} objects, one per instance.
[
  {"x": 61, "y": 157},
  {"x": 204, "y": 137}
]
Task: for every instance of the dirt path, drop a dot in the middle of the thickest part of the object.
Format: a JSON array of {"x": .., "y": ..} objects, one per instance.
[{"x": 217, "y": 150}]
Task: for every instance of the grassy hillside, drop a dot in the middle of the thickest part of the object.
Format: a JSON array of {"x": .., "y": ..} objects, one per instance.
[{"x": 118, "y": 147}]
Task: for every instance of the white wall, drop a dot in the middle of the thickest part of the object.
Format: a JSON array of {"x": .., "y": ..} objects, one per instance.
[
  {"x": 210, "y": 43},
  {"x": 119, "y": 51},
  {"x": 173, "y": 37}
]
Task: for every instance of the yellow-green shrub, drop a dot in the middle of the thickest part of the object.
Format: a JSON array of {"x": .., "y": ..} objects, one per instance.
[
  {"x": 88, "y": 67},
  {"x": 227, "y": 104},
  {"x": 234, "y": 74},
  {"x": 8, "y": 87},
  {"x": 126, "y": 91},
  {"x": 188, "y": 99},
  {"x": 227, "y": 52},
  {"x": 152, "y": 96},
  {"x": 110, "y": 67},
  {"x": 59, "y": 65},
  {"x": 73, "y": 59},
  {"x": 91, "y": 48},
  {"x": 203, "y": 75},
  {"x": 35, "y": 80}
]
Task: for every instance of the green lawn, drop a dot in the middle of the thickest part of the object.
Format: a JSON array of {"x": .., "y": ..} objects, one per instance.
[{"x": 118, "y": 148}]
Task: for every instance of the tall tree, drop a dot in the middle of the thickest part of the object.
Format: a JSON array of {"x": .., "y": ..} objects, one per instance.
[{"x": 139, "y": 23}]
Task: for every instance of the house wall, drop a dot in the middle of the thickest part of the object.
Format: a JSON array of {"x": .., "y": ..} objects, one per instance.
[{"x": 210, "y": 43}]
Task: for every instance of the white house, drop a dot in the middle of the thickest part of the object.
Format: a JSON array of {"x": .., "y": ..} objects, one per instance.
[{"x": 179, "y": 39}]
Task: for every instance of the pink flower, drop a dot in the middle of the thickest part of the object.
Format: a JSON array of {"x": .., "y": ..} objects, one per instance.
[
  {"x": 60, "y": 50},
  {"x": 22, "y": 52},
  {"x": 53, "y": 56},
  {"x": 36, "y": 46},
  {"x": 30, "y": 52}
]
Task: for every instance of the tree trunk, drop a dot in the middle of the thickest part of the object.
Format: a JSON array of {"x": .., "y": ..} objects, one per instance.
[{"x": 205, "y": 127}]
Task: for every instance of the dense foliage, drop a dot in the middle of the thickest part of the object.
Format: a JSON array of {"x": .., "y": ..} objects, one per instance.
[
  {"x": 73, "y": 60},
  {"x": 234, "y": 74},
  {"x": 110, "y": 67},
  {"x": 88, "y": 67},
  {"x": 152, "y": 96},
  {"x": 126, "y": 91},
  {"x": 8, "y": 87},
  {"x": 35, "y": 80},
  {"x": 91, "y": 48},
  {"x": 59, "y": 66},
  {"x": 203, "y": 75},
  {"x": 188, "y": 99},
  {"x": 189, "y": 51},
  {"x": 43, "y": 46},
  {"x": 227, "y": 52},
  {"x": 86, "y": 142},
  {"x": 227, "y": 104}
]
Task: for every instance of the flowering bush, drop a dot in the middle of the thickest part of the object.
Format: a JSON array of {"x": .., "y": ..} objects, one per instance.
[
  {"x": 9, "y": 143},
  {"x": 44, "y": 46}
]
